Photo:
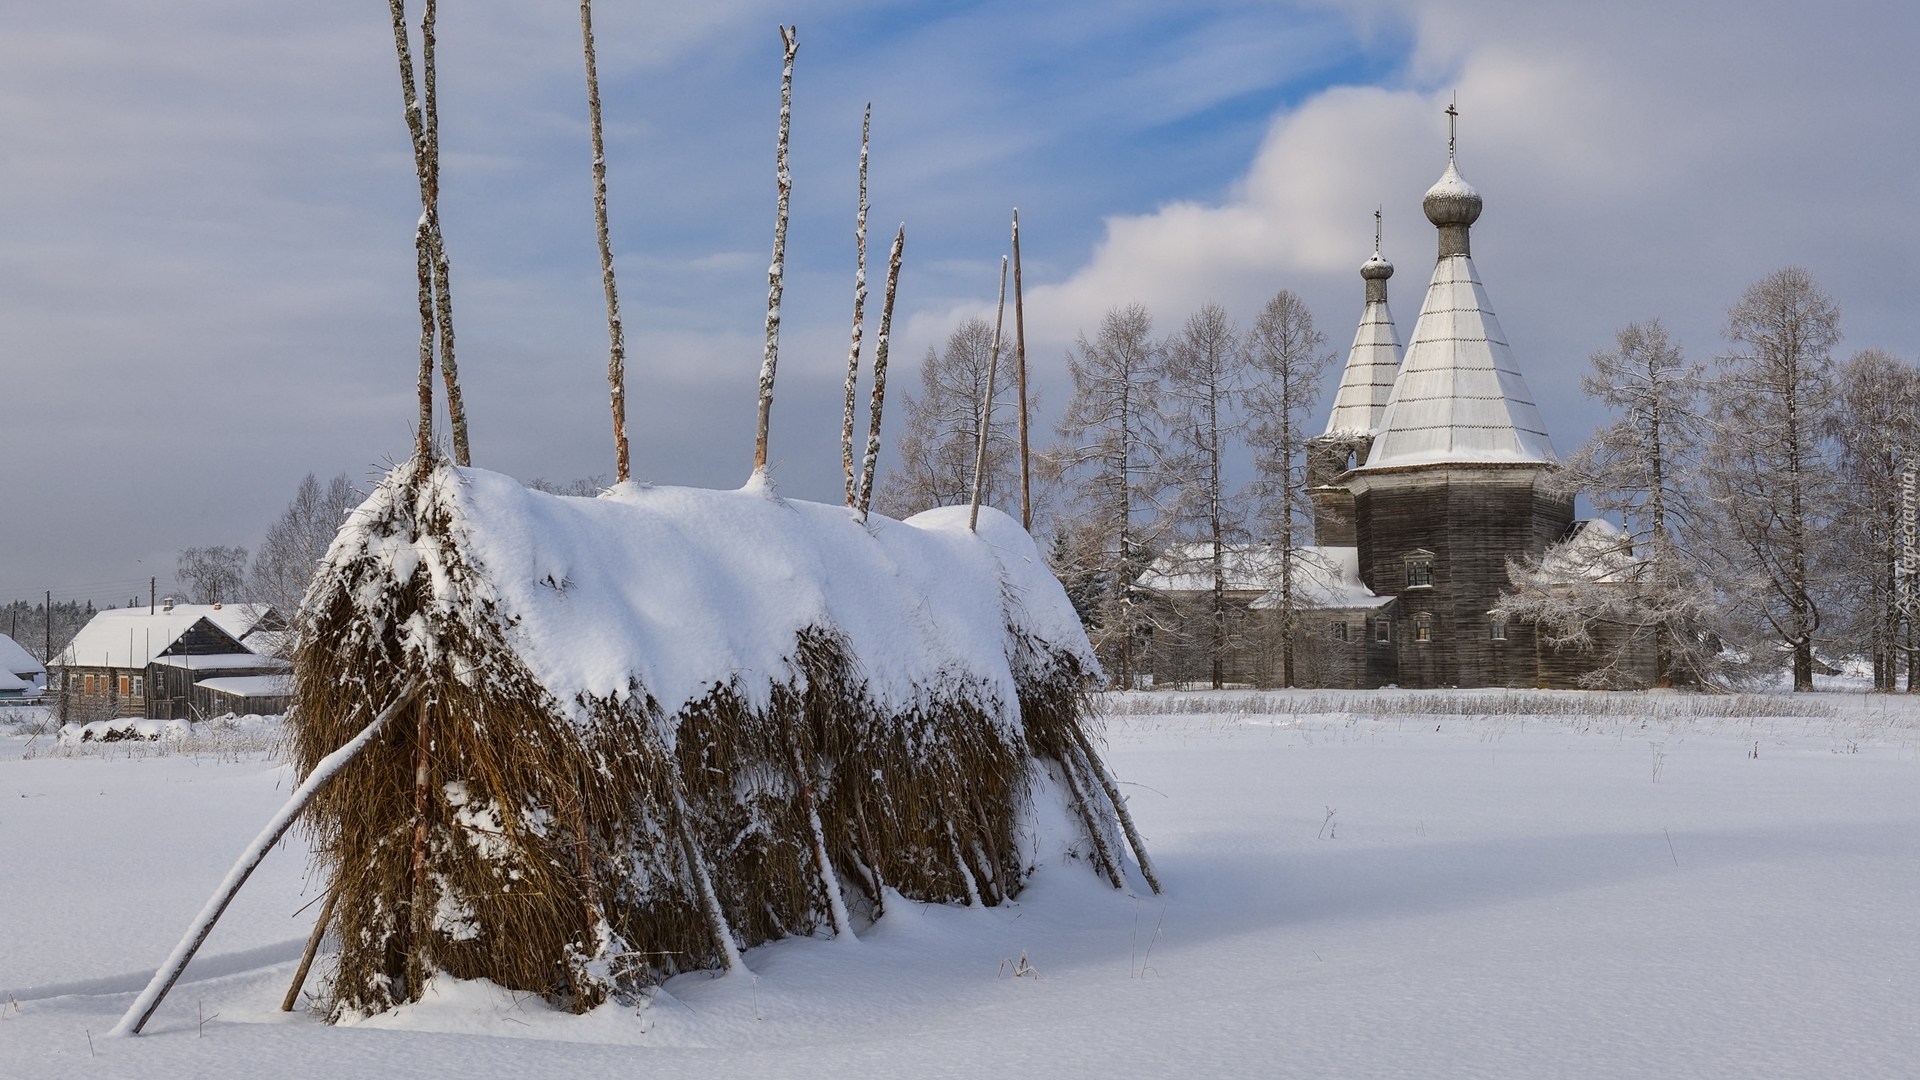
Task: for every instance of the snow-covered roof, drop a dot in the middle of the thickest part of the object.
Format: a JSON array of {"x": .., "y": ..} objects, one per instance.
[
  {"x": 251, "y": 685},
  {"x": 1324, "y": 577},
  {"x": 13, "y": 684},
  {"x": 133, "y": 637},
  {"x": 1372, "y": 362},
  {"x": 15, "y": 660},
  {"x": 1459, "y": 397},
  {"x": 1596, "y": 550},
  {"x": 677, "y": 590},
  {"x": 244, "y": 661}
]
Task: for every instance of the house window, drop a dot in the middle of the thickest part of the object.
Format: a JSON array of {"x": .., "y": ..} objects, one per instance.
[
  {"x": 1383, "y": 630},
  {"x": 88, "y": 680},
  {"x": 1339, "y": 631},
  {"x": 1419, "y": 574},
  {"x": 139, "y": 686},
  {"x": 1423, "y": 627},
  {"x": 1497, "y": 628},
  {"x": 124, "y": 686}
]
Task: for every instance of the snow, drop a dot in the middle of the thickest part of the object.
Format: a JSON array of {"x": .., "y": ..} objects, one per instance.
[
  {"x": 1326, "y": 577},
  {"x": 223, "y": 662},
  {"x": 1366, "y": 383},
  {"x": 15, "y": 660},
  {"x": 131, "y": 637},
  {"x": 1615, "y": 889},
  {"x": 251, "y": 685},
  {"x": 677, "y": 590}
]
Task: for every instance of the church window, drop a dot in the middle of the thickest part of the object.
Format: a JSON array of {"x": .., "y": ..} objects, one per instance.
[
  {"x": 1497, "y": 628},
  {"x": 1383, "y": 629},
  {"x": 1339, "y": 631},
  {"x": 1420, "y": 570},
  {"x": 1423, "y": 627}
]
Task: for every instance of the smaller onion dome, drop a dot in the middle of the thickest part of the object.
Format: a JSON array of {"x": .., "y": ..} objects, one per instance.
[
  {"x": 1376, "y": 268},
  {"x": 1452, "y": 201}
]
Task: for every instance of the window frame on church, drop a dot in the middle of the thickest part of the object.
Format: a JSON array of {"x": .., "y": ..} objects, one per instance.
[
  {"x": 1419, "y": 564},
  {"x": 1422, "y": 628},
  {"x": 1383, "y": 630},
  {"x": 1496, "y": 627},
  {"x": 1339, "y": 630}
]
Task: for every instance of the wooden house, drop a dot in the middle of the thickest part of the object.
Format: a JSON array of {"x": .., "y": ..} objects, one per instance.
[{"x": 134, "y": 662}]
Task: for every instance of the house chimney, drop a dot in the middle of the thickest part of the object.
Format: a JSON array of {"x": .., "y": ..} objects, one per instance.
[{"x": 166, "y": 604}]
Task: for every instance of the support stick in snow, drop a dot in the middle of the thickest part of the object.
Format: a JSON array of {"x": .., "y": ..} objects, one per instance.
[
  {"x": 616, "y": 335},
  {"x": 871, "y": 854},
  {"x": 419, "y": 963},
  {"x": 1020, "y": 372},
  {"x": 966, "y": 873},
  {"x": 1100, "y": 772},
  {"x": 423, "y": 436},
  {"x": 880, "y": 344},
  {"x": 169, "y": 973},
  {"x": 776, "y": 272},
  {"x": 859, "y": 309},
  {"x": 986, "y": 405},
  {"x": 709, "y": 902},
  {"x": 829, "y": 885},
  {"x": 313, "y": 948},
  {"x": 1107, "y": 864}
]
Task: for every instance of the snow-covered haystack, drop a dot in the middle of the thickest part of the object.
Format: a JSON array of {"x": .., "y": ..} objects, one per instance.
[{"x": 631, "y": 704}]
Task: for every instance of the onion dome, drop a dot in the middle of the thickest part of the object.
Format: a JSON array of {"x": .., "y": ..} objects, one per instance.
[
  {"x": 1452, "y": 201},
  {"x": 1376, "y": 268}
]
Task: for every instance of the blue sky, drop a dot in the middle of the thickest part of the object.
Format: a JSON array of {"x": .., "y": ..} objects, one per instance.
[{"x": 205, "y": 261}]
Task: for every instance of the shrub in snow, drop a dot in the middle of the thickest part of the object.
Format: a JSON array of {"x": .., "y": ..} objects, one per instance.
[{"x": 664, "y": 724}]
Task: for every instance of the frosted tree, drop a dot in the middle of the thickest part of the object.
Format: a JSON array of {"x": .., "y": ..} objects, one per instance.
[
  {"x": 297, "y": 541},
  {"x": 1642, "y": 582},
  {"x": 942, "y": 432},
  {"x": 1767, "y": 467},
  {"x": 1877, "y": 424},
  {"x": 1286, "y": 359},
  {"x": 1111, "y": 463},
  {"x": 213, "y": 575},
  {"x": 1204, "y": 377}
]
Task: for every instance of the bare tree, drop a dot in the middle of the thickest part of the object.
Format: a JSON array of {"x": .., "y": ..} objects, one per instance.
[
  {"x": 941, "y": 438},
  {"x": 297, "y": 541},
  {"x": 1205, "y": 374},
  {"x": 1635, "y": 466},
  {"x": 1286, "y": 358},
  {"x": 213, "y": 575},
  {"x": 1877, "y": 424},
  {"x": 1767, "y": 469},
  {"x": 1111, "y": 459}
]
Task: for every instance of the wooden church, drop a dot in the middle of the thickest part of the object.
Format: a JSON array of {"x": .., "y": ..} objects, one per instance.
[{"x": 1434, "y": 470}]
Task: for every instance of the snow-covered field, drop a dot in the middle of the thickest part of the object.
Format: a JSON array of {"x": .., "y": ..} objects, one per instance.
[{"x": 1373, "y": 885}]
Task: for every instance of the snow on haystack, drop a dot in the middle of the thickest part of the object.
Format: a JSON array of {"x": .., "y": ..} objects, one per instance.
[{"x": 648, "y": 718}]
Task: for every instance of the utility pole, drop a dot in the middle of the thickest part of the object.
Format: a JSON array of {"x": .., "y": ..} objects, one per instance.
[{"x": 153, "y": 593}]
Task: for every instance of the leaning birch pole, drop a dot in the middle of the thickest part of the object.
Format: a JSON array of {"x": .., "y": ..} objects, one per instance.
[
  {"x": 422, "y": 241},
  {"x": 616, "y": 334},
  {"x": 312, "y": 950},
  {"x": 1020, "y": 371},
  {"x": 776, "y": 271},
  {"x": 169, "y": 972},
  {"x": 823, "y": 865},
  {"x": 986, "y": 405},
  {"x": 1099, "y": 769},
  {"x": 859, "y": 310},
  {"x": 420, "y": 961},
  {"x": 880, "y": 344},
  {"x": 430, "y": 202},
  {"x": 703, "y": 880}
]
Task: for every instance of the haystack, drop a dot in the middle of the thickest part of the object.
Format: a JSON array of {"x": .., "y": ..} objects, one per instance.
[{"x": 666, "y": 724}]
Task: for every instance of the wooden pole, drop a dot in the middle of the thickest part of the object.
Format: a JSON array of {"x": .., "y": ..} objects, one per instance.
[
  {"x": 416, "y": 129},
  {"x": 986, "y": 405},
  {"x": 169, "y": 972},
  {"x": 776, "y": 271},
  {"x": 313, "y": 948},
  {"x": 419, "y": 925},
  {"x": 880, "y": 345},
  {"x": 829, "y": 885},
  {"x": 872, "y": 854},
  {"x": 616, "y": 334},
  {"x": 1108, "y": 864},
  {"x": 442, "y": 285},
  {"x": 703, "y": 881},
  {"x": 1099, "y": 770},
  {"x": 859, "y": 308},
  {"x": 1020, "y": 370}
]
